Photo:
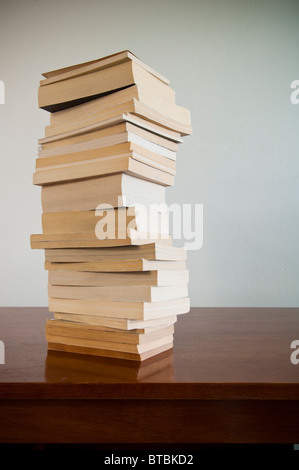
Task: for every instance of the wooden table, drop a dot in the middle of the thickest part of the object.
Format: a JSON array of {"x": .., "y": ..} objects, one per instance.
[{"x": 229, "y": 379}]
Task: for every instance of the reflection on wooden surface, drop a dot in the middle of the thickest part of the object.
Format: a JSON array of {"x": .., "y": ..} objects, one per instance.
[{"x": 76, "y": 368}]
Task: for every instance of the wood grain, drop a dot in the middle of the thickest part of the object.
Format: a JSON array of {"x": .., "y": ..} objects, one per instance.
[{"x": 229, "y": 379}]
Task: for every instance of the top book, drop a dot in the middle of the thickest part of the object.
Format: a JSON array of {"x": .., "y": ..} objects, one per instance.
[
  {"x": 86, "y": 67},
  {"x": 70, "y": 86}
]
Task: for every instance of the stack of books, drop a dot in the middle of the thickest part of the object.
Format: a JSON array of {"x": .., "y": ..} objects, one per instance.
[{"x": 116, "y": 282}]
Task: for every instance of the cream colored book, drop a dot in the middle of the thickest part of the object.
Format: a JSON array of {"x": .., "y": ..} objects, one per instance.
[
  {"x": 143, "y": 278},
  {"x": 92, "y": 351},
  {"x": 115, "y": 164},
  {"x": 128, "y": 102},
  {"x": 115, "y": 323},
  {"x": 114, "y": 135},
  {"x": 70, "y": 88},
  {"x": 96, "y": 131},
  {"x": 120, "y": 219},
  {"x": 146, "y": 331},
  {"x": 173, "y": 123},
  {"x": 105, "y": 153},
  {"x": 110, "y": 345},
  {"x": 117, "y": 190},
  {"x": 86, "y": 240},
  {"x": 97, "y": 109},
  {"x": 97, "y": 64},
  {"x": 150, "y": 251},
  {"x": 97, "y": 81},
  {"x": 119, "y": 293},
  {"x": 128, "y": 310},
  {"x": 105, "y": 117},
  {"x": 92, "y": 332},
  {"x": 117, "y": 266}
]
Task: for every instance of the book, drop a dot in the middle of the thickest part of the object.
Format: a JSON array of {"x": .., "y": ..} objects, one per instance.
[
  {"x": 106, "y": 345},
  {"x": 93, "y": 332},
  {"x": 111, "y": 133},
  {"x": 100, "y": 117},
  {"x": 115, "y": 190},
  {"x": 117, "y": 164},
  {"x": 121, "y": 309},
  {"x": 114, "y": 323},
  {"x": 90, "y": 239},
  {"x": 69, "y": 89},
  {"x": 117, "y": 266},
  {"x": 146, "y": 330},
  {"x": 107, "y": 153},
  {"x": 119, "y": 293},
  {"x": 127, "y": 102},
  {"x": 150, "y": 251},
  {"x": 143, "y": 278},
  {"x": 103, "y": 62},
  {"x": 94, "y": 351},
  {"x": 76, "y": 88},
  {"x": 120, "y": 219},
  {"x": 102, "y": 138}
]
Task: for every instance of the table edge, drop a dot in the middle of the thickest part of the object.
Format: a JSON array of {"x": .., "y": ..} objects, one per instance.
[{"x": 149, "y": 391}]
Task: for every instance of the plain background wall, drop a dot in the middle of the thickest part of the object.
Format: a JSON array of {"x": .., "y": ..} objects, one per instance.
[{"x": 231, "y": 63}]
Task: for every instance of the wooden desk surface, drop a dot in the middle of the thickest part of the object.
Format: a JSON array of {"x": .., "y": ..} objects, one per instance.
[{"x": 229, "y": 379}]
